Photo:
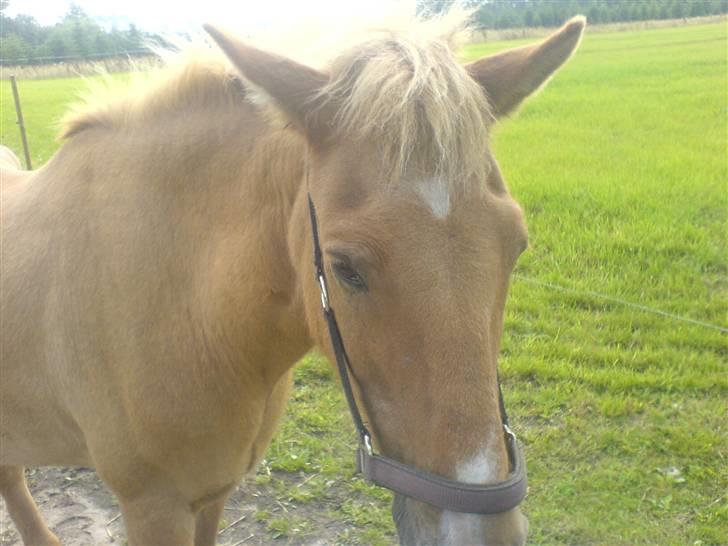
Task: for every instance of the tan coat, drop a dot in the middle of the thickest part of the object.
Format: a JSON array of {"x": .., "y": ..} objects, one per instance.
[{"x": 157, "y": 284}]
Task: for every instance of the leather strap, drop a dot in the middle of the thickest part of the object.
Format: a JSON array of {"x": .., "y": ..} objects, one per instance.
[
  {"x": 342, "y": 359},
  {"x": 406, "y": 480},
  {"x": 449, "y": 494}
]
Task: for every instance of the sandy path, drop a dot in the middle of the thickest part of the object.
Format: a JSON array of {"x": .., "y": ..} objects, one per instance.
[{"x": 82, "y": 512}]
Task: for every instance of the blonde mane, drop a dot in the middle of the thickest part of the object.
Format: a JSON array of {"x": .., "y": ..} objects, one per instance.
[
  {"x": 189, "y": 81},
  {"x": 408, "y": 93},
  {"x": 399, "y": 85}
]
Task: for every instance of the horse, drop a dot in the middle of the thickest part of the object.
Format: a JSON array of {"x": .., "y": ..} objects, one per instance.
[{"x": 158, "y": 285}]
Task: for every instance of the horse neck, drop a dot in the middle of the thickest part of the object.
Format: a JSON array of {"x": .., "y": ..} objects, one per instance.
[
  {"x": 232, "y": 182},
  {"x": 257, "y": 180}
]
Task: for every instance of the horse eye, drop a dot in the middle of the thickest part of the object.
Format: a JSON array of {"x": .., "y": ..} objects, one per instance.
[{"x": 348, "y": 275}]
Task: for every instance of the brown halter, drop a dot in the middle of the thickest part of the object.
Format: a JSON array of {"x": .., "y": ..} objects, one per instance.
[{"x": 406, "y": 480}]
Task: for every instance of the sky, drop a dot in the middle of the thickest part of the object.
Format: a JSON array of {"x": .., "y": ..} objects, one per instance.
[{"x": 186, "y": 15}]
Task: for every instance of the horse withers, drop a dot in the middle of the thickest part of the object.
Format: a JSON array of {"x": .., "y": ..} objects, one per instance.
[{"x": 158, "y": 284}]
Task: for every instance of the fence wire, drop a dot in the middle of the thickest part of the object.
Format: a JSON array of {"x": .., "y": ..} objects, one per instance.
[{"x": 613, "y": 299}]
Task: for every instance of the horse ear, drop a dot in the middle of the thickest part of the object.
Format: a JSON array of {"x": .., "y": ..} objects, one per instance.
[
  {"x": 293, "y": 86},
  {"x": 511, "y": 76}
]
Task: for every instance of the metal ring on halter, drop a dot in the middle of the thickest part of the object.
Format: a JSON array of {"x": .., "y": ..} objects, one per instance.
[
  {"x": 368, "y": 445},
  {"x": 324, "y": 293},
  {"x": 509, "y": 432}
]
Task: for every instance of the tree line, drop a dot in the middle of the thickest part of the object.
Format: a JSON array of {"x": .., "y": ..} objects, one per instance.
[
  {"x": 535, "y": 13},
  {"x": 75, "y": 37},
  {"x": 78, "y": 37}
]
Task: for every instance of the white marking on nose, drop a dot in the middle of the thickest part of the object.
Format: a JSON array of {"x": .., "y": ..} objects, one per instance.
[
  {"x": 457, "y": 528},
  {"x": 481, "y": 469},
  {"x": 435, "y": 193}
]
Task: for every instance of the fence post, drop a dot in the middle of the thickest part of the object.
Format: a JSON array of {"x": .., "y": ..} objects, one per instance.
[{"x": 20, "y": 122}]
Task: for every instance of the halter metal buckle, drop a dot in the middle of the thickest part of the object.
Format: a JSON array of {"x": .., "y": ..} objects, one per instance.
[
  {"x": 324, "y": 293},
  {"x": 509, "y": 432},
  {"x": 368, "y": 445}
]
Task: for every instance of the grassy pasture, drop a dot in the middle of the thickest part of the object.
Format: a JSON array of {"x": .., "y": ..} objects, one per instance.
[{"x": 621, "y": 166}]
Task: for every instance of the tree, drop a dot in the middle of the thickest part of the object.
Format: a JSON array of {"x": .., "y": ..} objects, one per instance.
[
  {"x": 594, "y": 15},
  {"x": 634, "y": 12},
  {"x": 75, "y": 13},
  {"x": 653, "y": 11},
  {"x": 134, "y": 38},
  {"x": 528, "y": 19},
  {"x": 509, "y": 13},
  {"x": 697, "y": 9},
  {"x": 58, "y": 47},
  {"x": 678, "y": 10},
  {"x": 79, "y": 39},
  {"x": 431, "y": 7},
  {"x": 101, "y": 44},
  {"x": 26, "y": 27},
  {"x": 14, "y": 51},
  {"x": 625, "y": 13},
  {"x": 715, "y": 7}
]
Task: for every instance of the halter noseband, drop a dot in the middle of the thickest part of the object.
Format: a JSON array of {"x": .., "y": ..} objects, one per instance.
[{"x": 401, "y": 478}]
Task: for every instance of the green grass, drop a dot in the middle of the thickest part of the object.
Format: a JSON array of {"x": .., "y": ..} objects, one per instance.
[
  {"x": 43, "y": 103},
  {"x": 620, "y": 164}
]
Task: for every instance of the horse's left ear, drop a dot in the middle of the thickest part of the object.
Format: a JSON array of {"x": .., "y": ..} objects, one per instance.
[
  {"x": 511, "y": 76},
  {"x": 293, "y": 86}
]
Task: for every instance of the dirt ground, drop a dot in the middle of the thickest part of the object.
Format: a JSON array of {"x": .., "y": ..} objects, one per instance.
[{"x": 82, "y": 512}]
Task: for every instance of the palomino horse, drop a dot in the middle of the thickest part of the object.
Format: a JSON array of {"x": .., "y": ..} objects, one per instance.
[{"x": 158, "y": 286}]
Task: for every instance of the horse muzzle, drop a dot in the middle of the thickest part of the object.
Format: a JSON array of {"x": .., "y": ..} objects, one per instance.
[{"x": 420, "y": 524}]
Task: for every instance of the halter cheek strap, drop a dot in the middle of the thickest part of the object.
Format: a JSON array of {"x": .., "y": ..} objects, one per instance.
[{"x": 406, "y": 480}]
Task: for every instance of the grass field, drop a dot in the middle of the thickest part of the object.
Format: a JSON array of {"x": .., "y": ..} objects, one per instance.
[{"x": 621, "y": 167}]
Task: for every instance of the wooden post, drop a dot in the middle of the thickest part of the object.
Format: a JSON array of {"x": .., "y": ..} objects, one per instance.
[{"x": 19, "y": 112}]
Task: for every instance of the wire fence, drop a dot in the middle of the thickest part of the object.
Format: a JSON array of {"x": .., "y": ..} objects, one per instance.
[
  {"x": 73, "y": 69},
  {"x": 613, "y": 299},
  {"x": 141, "y": 52}
]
